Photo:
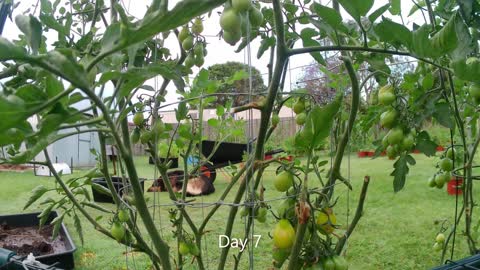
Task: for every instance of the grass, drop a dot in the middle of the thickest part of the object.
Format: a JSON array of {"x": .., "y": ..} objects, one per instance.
[{"x": 396, "y": 231}]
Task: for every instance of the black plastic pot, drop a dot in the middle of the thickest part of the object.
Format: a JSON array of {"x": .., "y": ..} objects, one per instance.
[
  {"x": 226, "y": 152},
  {"x": 118, "y": 184},
  {"x": 174, "y": 161},
  {"x": 469, "y": 263},
  {"x": 62, "y": 260}
]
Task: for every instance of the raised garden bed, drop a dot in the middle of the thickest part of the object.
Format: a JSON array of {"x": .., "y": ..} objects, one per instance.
[
  {"x": 99, "y": 196},
  {"x": 469, "y": 263},
  {"x": 21, "y": 233}
]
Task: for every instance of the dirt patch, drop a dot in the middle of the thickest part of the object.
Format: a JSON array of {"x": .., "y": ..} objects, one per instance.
[
  {"x": 14, "y": 168},
  {"x": 26, "y": 240}
]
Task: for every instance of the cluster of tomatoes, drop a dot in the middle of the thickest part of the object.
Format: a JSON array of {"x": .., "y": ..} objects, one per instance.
[
  {"x": 444, "y": 174},
  {"x": 237, "y": 18},
  {"x": 398, "y": 139},
  {"x": 299, "y": 109},
  {"x": 118, "y": 230},
  {"x": 186, "y": 247},
  {"x": 193, "y": 44},
  {"x": 141, "y": 134},
  {"x": 259, "y": 212},
  {"x": 284, "y": 232}
]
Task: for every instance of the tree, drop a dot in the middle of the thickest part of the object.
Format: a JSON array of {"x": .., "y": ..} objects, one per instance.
[{"x": 241, "y": 87}]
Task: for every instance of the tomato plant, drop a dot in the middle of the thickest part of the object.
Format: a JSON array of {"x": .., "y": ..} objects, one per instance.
[{"x": 91, "y": 55}]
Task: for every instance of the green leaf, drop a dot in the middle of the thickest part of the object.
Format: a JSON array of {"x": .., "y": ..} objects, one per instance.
[
  {"x": 396, "y": 8},
  {"x": 53, "y": 23},
  {"x": 357, "y": 8},
  {"x": 264, "y": 45},
  {"x": 421, "y": 45},
  {"x": 57, "y": 224},
  {"x": 213, "y": 122},
  {"x": 64, "y": 66},
  {"x": 445, "y": 40},
  {"x": 78, "y": 227},
  {"x": 182, "y": 111},
  {"x": 425, "y": 144},
  {"x": 415, "y": 8},
  {"x": 309, "y": 42},
  {"x": 45, "y": 214},
  {"x": 53, "y": 86},
  {"x": 393, "y": 33},
  {"x": 377, "y": 13},
  {"x": 329, "y": 15},
  {"x": 36, "y": 194},
  {"x": 467, "y": 69},
  {"x": 220, "y": 110},
  {"x": 9, "y": 51},
  {"x": 443, "y": 114},
  {"x": 31, "y": 27},
  {"x": 318, "y": 125},
  {"x": 400, "y": 173}
]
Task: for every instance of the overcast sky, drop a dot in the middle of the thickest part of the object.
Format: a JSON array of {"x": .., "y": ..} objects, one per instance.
[{"x": 218, "y": 50}]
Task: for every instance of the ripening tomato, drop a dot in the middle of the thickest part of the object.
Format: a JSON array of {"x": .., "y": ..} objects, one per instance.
[
  {"x": 283, "y": 234},
  {"x": 387, "y": 96},
  {"x": 450, "y": 153},
  {"x": 326, "y": 221},
  {"x": 256, "y": 17},
  {"x": 299, "y": 106}
]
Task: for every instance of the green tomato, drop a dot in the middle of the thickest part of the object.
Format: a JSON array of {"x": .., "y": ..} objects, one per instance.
[
  {"x": 391, "y": 152},
  {"x": 184, "y": 33},
  {"x": 301, "y": 118},
  {"x": 441, "y": 179},
  {"x": 408, "y": 142},
  {"x": 123, "y": 215},
  {"x": 183, "y": 248},
  {"x": 283, "y": 234},
  {"x": 474, "y": 91},
  {"x": 135, "y": 135},
  {"x": 187, "y": 44},
  {"x": 199, "y": 60},
  {"x": 158, "y": 127},
  {"x": 194, "y": 249},
  {"x": 197, "y": 27},
  {"x": 232, "y": 37},
  {"x": 275, "y": 119},
  {"x": 280, "y": 255},
  {"x": 117, "y": 231},
  {"x": 437, "y": 247},
  {"x": 340, "y": 263},
  {"x": 230, "y": 21},
  {"x": 440, "y": 238},
  {"x": 395, "y": 136},
  {"x": 387, "y": 119},
  {"x": 190, "y": 60},
  {"x": 450, "y": 153},
  {"x": 146, "y": 136},
  {"x": 431, "y": 182},
  {"x": 256, "y": 17},
  {"x": 299, "y": 106},
  {"x": 386, "y": 98},
  {"x": 138, "y": 119},
  {"x": 446, "y": 164},
  {"x": 329, "y": 264},
  {"x": 241, "y": 5},
  {"x": 283, "y": 181},
  {"x": 198, "y": 49}
]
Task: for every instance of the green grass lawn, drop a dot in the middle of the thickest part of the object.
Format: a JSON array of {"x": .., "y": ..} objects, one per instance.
[{"x": 397, "y": 231}]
